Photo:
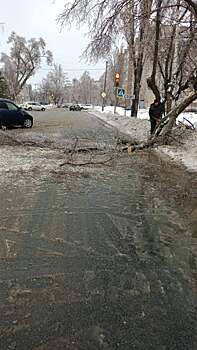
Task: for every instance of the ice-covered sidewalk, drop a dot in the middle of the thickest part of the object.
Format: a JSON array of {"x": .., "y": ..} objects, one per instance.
[{"x": 138, "y": 129}]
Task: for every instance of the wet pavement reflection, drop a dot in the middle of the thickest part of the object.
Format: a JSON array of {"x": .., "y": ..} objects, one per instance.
[{"x": 103, "y": 262}]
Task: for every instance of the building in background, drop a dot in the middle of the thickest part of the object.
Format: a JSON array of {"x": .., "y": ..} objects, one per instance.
[{"x": 127, "y": 78}]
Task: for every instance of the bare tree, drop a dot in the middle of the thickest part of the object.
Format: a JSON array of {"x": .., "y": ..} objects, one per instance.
[
  {"x": 173, "y": 61},
  {"x": 105, "y": 19},
  {"x": 174, "y": 49},
  {"x": 24, "y": 59},
  {"x": 136, "y": 32},
  {"x": 108, "y": 20},
  {"x": 85, "y": 90},
  {"x": 53, "y": 87}
]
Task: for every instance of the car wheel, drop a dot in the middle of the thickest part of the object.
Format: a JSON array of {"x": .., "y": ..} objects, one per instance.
[
  {"x": 27, "y": 123},
  {"x": 43, "y": 109},
  {"x": 29, "y": 109}
]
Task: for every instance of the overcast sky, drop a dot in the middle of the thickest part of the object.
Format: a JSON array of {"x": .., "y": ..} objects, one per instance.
[{"x": 37, "y": 18}]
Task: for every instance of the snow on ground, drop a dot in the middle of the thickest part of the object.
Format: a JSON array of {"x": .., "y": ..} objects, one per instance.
[
  {"x": 192, "y": 117},
  {"x": 139, "y": 130},
  {"x": 136, "y": 128},
  {"x": 22, "y": 160},
  {"x": 185, "y": 153}
]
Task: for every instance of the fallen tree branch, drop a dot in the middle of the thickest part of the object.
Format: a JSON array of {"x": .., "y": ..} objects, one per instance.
[
  {"x": 5, "y": 135},
  {"x": 83, "y": 150},
  {"x": 88, "y": 162},
  {"x": 185, "y": 125},
  {"x": 192, "y": 125},
  {"x": 175, "y": 139},
  {"x": 74, "y": 148}
]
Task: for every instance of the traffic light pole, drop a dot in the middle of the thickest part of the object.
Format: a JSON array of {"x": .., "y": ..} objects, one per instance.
[
  {"x": 117, "y": 81},
  {"x": 116, "y": 99}
]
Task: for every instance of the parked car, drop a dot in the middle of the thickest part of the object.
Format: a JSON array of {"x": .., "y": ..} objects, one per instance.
[
  {"x": 66, "y": 105},
  {"x": 191, "y": 110},
  {"x": 33, "y": 106},
  {"x": 75, "y": 108},
  {"x": 12, "y": 115},
  {"x": 86, "y": 106}
]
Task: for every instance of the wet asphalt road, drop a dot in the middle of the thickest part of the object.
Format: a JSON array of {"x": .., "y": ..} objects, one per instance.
[{"x": 101, "y": 261}]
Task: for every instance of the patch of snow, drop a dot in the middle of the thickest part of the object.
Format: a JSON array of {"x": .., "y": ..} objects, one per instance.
[
  {"x": 185, "y": 154},
  {"x": 139, "y": 130},
  {"x": 17, "y": 161},
  {"x": 192, "y": 117}
]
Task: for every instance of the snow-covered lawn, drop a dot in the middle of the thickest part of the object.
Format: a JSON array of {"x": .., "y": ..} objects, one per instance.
[
  {"x": 142, "y": 114},
  {"x": 136, "y": 128},
  {"x": 139, "y": 130}
]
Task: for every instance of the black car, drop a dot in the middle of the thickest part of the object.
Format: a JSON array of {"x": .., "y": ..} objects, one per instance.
[
  {"x": 12, "y": 115},
  {"x": 191, "y": 110},
  {"x": 75, "y": 108}
]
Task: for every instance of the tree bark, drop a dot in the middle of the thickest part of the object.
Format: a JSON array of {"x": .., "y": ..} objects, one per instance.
[
  {"x": 168, "y": 102},
  {"x": 151, "y": 80},
  {"x": 193, "y": 6},
  {"x": 176, "y": 111},
  {"x": 166, "y": 124},
  {"x": 129, "y": 74},
  {"x": 136, "y": 88},
  {"x": 138, "y": 69},
  {"x": 138, "y": 62}
]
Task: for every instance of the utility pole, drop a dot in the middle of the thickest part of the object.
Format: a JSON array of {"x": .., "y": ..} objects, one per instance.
[
  {"x": 104, "y": 87},
  {"x": 116, "y": 99},
  {"x": 117, "y": 83},
  {"x": 2, "y": 24}
]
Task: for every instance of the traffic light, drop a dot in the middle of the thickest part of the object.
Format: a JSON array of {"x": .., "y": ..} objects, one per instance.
[{"x": 117, "y": 79}]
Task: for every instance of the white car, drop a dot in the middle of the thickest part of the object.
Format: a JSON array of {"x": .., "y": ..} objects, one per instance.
[
  {"x": 85, "y": 106},
  {"x": 33, "y": 106}
]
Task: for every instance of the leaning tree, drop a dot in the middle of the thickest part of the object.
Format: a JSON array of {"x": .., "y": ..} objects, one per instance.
[{"x": 173, "y": 58}]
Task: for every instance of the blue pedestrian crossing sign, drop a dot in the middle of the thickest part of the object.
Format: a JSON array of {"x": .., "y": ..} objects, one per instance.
[{"x": 121, "y": 92}]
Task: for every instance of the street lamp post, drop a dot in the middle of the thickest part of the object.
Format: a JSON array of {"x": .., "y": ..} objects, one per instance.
[{"x": 104, "y": 87}]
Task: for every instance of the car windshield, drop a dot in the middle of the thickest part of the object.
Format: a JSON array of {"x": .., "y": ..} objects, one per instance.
[
  {"x": 11, "y": 106},
  {"x": 3, "y": 105}
]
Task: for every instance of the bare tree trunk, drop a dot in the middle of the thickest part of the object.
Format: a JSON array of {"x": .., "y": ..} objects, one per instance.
[
  {"x": 136, "y": 88},
  {"x": 138, "y": 69},
  {"x": 129, "y": 74},
  {"x": 151, "y": 80},
  {"x": 167, "y": 123},
  {"x": 168, "y": 102}
]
